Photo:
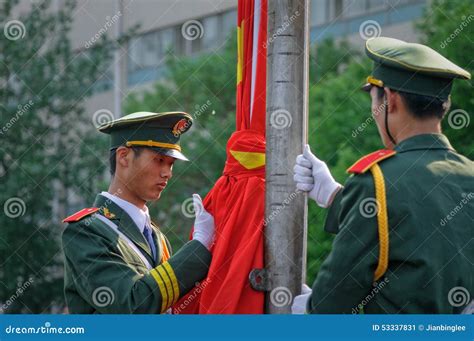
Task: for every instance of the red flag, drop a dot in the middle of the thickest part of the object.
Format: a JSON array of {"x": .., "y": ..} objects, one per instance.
[{"x": 237, "y": 200}]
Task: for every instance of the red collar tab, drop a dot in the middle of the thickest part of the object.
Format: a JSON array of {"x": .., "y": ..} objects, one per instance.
[
  {"x": 367, "y": 161},
  {"x": 81, "y": 214}
]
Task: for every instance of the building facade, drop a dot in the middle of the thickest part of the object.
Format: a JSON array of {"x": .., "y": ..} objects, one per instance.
[{"x": 187, "y": 28}]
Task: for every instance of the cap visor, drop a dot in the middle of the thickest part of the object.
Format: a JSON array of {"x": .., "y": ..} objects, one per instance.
[
  {"x": 366, "y": 87},
  {"x": 171, "y": 152}
]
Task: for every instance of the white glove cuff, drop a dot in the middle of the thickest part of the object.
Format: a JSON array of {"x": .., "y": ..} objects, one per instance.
[{"x": 326, "y": 193}]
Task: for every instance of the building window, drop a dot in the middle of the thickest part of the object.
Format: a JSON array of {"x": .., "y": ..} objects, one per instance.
[
  {"x": 354, "y": 7},
  {"x": 375, "y": 5},
  {"x": 211, "y": 36},
  {"x": 147, "y": 52},
  {"x": 229, "y": 22},
  {"x": 149, "y": 49},
  {"x": 167, "y": 41},
  {"x": 338, "y": 7},
  {"x": 105, "y": 80},
  {"x": 319, "y": 12}
]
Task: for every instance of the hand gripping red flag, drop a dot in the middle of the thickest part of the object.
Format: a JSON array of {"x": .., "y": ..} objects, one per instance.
[{"x": 237, "y": 200}]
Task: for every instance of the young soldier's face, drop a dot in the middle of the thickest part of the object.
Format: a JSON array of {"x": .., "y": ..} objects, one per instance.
[{"x": 149, "y": 173}]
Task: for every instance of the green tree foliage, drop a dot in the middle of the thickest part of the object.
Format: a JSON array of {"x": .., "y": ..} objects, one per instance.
[
  {"x": 328, "y": 58},
  {"x": 45, "y": 147},
  {"x": 448, "y": 27}
]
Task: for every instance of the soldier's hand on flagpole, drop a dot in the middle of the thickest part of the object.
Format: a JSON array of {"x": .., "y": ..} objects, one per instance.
[
  {"x": 312, "y": 175},
  {"x": 300, "y": 301},
  {"x": 204, "y": 229}
]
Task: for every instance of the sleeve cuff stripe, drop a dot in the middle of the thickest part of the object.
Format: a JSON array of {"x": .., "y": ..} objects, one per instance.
[
  {"x": 174, "y": 280},
  {"x": 169, "y": 284},
  {"x": 169, "y": 287},
  {"x": 161, "y": 286}
]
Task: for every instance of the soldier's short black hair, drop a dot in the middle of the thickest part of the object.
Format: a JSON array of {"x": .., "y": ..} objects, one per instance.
[
  {"x": 112, "y": 161},
  {"x": 113, "y": 157},
  {"x": 421, "y": 106}
]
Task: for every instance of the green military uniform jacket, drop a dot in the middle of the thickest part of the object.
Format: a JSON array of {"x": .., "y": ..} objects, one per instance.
[
  {"x": 105, "y": 274},
  {"x": 430, "y": 207}
]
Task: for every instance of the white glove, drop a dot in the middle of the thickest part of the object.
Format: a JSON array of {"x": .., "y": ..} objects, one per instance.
[
  {"x": 312, "y": 175},
  {"x": 300, "y": 301},
  {"x": 204, "y": 229}
]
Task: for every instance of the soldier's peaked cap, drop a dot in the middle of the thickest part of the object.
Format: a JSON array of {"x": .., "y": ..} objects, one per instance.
[
  {"x": 411, "y": 67},
  {"x": 159, "y": 131}
]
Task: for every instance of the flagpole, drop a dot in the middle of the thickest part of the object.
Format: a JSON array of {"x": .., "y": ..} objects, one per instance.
[
  {"x": 286, "y": 133},
  {"x": 118, "y": 62}
]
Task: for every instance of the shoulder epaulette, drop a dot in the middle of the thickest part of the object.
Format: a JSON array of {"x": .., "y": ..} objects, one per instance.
[
  {"x": 81, "y": 214},
  {"x": 367, "y": 161}
]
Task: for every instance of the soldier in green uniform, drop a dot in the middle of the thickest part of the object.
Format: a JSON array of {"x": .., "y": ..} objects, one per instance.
[
  {"x": 116, "y": 258},
  {"x": 404, "y": 218}
]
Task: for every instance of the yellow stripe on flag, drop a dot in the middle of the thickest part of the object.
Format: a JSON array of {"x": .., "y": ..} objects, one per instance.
[
  {"x": 240, "y": 51},
  {"x": 249, "y": 160}
]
